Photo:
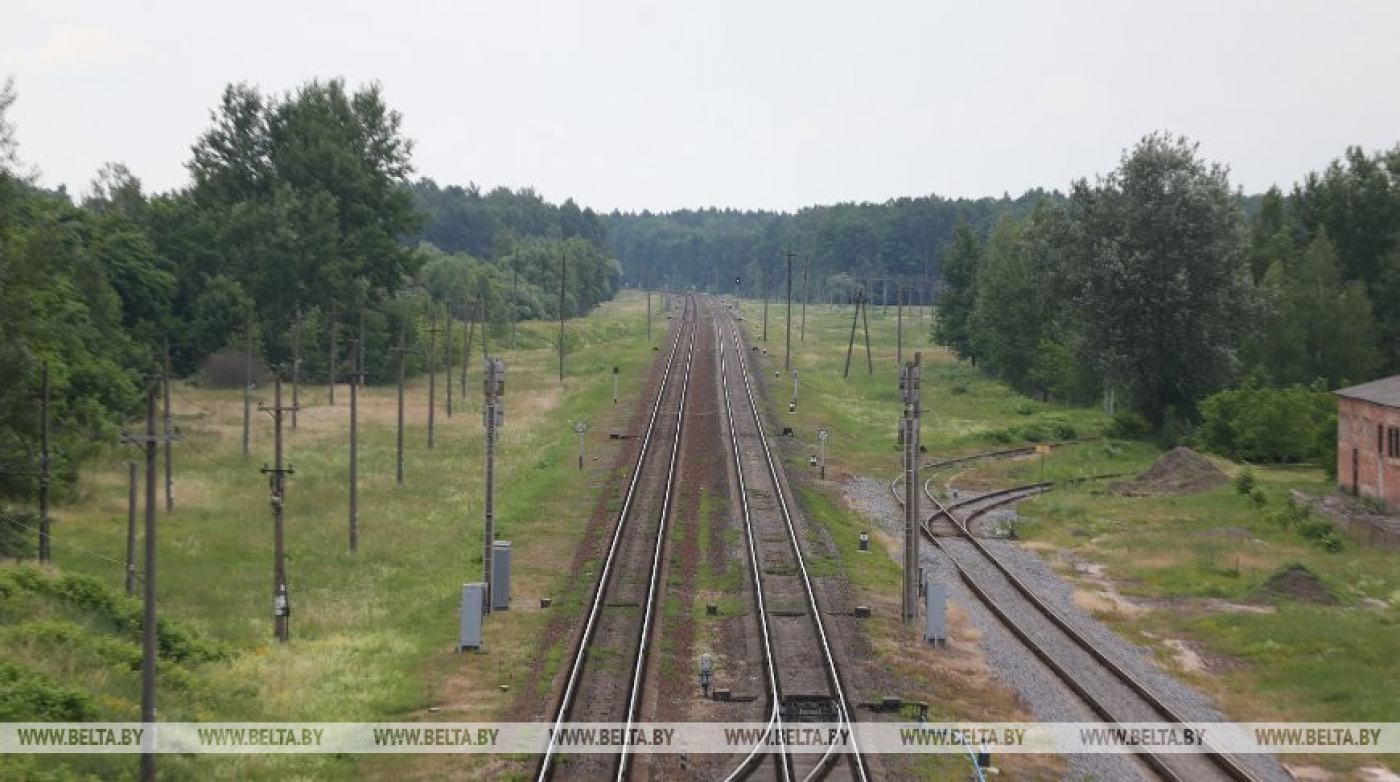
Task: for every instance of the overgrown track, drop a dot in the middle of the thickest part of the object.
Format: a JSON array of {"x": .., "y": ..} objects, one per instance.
[
  {"x": 608, "y": 664},
  {"x": 802, "y": 679},
  {"x": 1105, "y": 687}
]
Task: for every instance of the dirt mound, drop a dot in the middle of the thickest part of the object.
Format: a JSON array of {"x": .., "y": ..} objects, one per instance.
[
  {"x": 1294, "y": 582},
  {"x": 1179, "y": 471}
]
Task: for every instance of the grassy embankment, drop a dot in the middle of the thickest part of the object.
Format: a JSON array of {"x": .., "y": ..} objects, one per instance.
[
  {"x": 373, "y": 633},
  {"x": 1190, "y": 569}
]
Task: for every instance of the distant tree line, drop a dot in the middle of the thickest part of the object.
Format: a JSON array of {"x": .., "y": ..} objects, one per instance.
[
  {"x": 300, "y": 214},
  {"x": 877, "y": 248}
]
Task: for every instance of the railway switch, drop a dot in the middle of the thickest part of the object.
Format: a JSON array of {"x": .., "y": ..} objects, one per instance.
[
  {"x": 865, "y": 541},
  {"x": 707, "y": 665}
]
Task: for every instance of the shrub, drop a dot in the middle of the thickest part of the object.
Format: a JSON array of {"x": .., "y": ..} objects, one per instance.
[
  {"x": 1245, "y": 481},
  {"x": 27, "y": 695},
  {"x": 1128, "y": 425},
  {"x": 1270, "y": 424}
]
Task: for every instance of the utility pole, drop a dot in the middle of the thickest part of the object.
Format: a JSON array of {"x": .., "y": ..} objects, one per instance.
[
  {"x": 331, "y": 363},
  {"x": 467, "y": 348},
  {"x": 899, "y": 325},
  {"x": 277, "y": 486},
  {"x": 131, "y": 529},
  {"x": 648, "y": 308},
  {"x": 356, "y": 378},
  {"x": 494, "y": 386},
  {"x": 787, "y": 341},
  {"x": 45, "y": 465},
  {"x": 398, "y": 472},
  {"x": 247, "y": 385},
  {"x": 806, "y": 293},
  {"x": 865, "y": 321},
  {"x": 909, "y": 383},
  {"x": 763, "y": 285},
  {"x": 149, "y": 443},
  {"x": 447, "y": 354},
  {"x": 851, "y": 346},
  {"x": 167, "y": 431},
  {"x": 296, "y": 365},
  {"x": 148, "y": 620},
  {"x": 514, "y": 311},
  {"x": 563, "y": 276},
  {"x": 432, "y": 374}
]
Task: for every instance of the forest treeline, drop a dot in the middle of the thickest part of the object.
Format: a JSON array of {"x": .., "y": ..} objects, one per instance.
[
  {"x": 299, "y": 214},
  {"x": 842, "y": 248}
]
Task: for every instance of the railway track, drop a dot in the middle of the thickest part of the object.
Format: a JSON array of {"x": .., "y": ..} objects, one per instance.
[
  {"x": 608, "y": 664},
  {"x": 802, "y": 680},
  {"x": 1105, "y": 687}
]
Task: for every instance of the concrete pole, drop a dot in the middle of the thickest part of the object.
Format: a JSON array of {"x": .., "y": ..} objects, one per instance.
[
  {"x": 131, "y": 529},
  {"x": 398, "y": 469},
  {"x": 247, "y": 386},
  {"x": 355, "y": 453},
  {"x": 296, "y": 366},
  {"x": 45, "y": 462},
  {"x": 167, "y": 431},
  {"x": 787, "y": 341},
  {"x": 148, "y": 620}
]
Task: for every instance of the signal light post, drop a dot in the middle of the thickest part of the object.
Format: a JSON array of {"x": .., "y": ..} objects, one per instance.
[{"x": 909, "y": 392}]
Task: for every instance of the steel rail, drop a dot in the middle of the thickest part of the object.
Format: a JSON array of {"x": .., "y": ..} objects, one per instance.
[
  {"x": 1227, "y": 764},
  {"x": 639, "y": 665},
  {"x": 579, "y": 652},
  {"x": 833, "y": 673},
  {"x": 770, "y": 663}
]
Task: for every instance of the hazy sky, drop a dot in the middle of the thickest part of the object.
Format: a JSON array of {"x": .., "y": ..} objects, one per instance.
[{"x": 741, "y": 104}]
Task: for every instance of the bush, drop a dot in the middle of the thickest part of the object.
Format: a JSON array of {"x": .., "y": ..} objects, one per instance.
[
  {"x": 1245, "y": 481},
  {"x": 30, "y": 696},
  {"x": 1128, "y": 425},
  {"x": 1270, "y": 424},
  {"x": 1258, "y": 497}
]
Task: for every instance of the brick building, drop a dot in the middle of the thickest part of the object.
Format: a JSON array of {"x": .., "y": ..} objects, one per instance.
[{"x": 1368, "y": 441}]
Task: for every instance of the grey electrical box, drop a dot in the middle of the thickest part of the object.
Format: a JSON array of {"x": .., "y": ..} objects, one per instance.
[
  {"x": 500, "y": 575},
  {"x": 935, "y": 612},
  {"x": 473, "y": 603}
]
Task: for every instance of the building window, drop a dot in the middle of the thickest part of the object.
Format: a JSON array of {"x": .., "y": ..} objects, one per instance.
[{"x": 1394, "y": 449}]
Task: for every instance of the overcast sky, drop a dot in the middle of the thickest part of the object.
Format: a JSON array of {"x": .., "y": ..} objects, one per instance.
[{"x": 751, "y": 104}]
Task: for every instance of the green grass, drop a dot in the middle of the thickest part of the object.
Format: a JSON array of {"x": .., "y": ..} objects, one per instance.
[{"x": 373, "y": 633}]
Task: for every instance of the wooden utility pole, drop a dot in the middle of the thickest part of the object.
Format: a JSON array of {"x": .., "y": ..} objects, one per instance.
[
  {"x": 277, "y": 486},
  {"x": 131, "y": 528},
  {"x": 865, "y": 321},
  {"x": 563, "y": 277},
  {"x": 514, "y": 310},
  {"x": 806, "y": 293},
  {"x": 432, "y": 374},
  {"x": 356, "y": 378},
  {"x": 296, "y": 365},
  {"x": 401, "y": 350},
  {"x": 787, "y": 341},
  {"x": 148, "y": 619},
  {"x": 247, "y": 386},
  {"x": 45, "y": 466},
  {"x": 167, "y": 431},
  {"x": 467, "y": 315},
  {"x": 851, "y": 346},
  {"x": 648, "y": 284},
  {"x": 330, "y": 365},
  {"x": 447, "y": 355},
  {"x": 467, "y": 348}
]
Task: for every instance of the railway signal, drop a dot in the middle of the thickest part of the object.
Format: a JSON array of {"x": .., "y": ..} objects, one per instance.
[
  {"x": 707, "y": 665},
  {"x": 909, "y": 392},
  {"x": 822, "y": 436},
  {"x": 580, "y": 429}
]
